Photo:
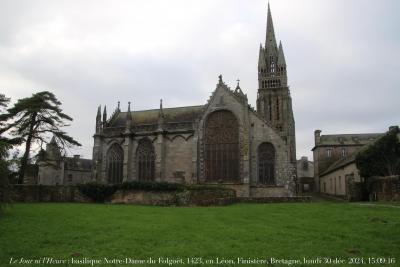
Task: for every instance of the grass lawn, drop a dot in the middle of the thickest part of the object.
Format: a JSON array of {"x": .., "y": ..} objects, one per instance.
[{"x": 282, "y": 231}]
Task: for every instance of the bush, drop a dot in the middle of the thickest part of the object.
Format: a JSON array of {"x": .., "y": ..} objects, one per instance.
[
  {"x": 382, "y": 158},
  {"x": 101, "y": 192},
  {"x": 151, "y": 186},
  {"x": 97, "y": 192}
]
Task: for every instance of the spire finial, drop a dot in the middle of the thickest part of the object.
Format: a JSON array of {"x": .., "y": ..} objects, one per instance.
[
  {"x": 119, "y": 104},
  {"x": 98, "y": 117},
  {"x": 129, "y": 115},
  {"x": 270, "y": 41},
  {"x": 238, "y": 81},
  {"x": 220, "y": 79},
  {"x": 160, "y": 116},
  {"x": 105, "y": 114}
]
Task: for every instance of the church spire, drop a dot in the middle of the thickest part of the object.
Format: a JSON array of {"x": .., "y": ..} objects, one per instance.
[
  {"x": 261, "y": 58},
  {"x": 281, "y": 56},
  {"x": 98, "y": 116},
  {"x": 98, "y": 120},
  {"x": 105, "y": 115},
  {"x": 270, "y": 41}
]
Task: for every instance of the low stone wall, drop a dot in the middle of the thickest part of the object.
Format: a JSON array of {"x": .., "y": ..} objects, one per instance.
[
  {"x": 274, "y": 199},
  {"x": 190, "y": 197},
  {"x": 47, "y": 193},
  {"x": 269, "y": 192},
  {"x": 196, "y": 196},
  {"x": 385, "y": 188}
]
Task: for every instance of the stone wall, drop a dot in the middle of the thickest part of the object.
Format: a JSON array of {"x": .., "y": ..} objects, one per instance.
[
  {"x": 178, "y": 159},
  {"x": 190, "y": 197},
  {"x": 335, "y": 182},
  {"x": 385, "y": 188},
  {"x": 285, "y": 171},
  {"x": 47, "y": 193},
  {"x": 196, "y": 196},
  {"x": 269, "y": 191}
]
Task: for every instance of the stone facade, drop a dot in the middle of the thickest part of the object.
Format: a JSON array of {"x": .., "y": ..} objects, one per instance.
[
  {"x": 55, "y": 169},
  {"x": 328, "y": 149},
  {"x": 337, "y": 181},
  {"x": 305, "y": 175},
  {"x": 342, "y": 178},
  {"x": 224, "y": 142}
]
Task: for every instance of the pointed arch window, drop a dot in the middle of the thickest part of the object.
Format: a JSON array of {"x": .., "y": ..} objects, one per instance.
[
  {"x": 266, "y": 164},
  {"x": 222, "y": 147},
  {"x": 145, "y": 160},
  {"x": 115, "y": 160}
]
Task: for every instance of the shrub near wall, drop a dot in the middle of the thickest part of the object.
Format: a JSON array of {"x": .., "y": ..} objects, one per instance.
[
  {"x": 103, "y": 192},
  {"x": 159, "y": 193},
  {"x": 385, "y": 188}
]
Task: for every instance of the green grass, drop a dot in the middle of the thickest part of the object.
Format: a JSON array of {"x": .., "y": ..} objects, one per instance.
[{"x": 285, "y": 231}]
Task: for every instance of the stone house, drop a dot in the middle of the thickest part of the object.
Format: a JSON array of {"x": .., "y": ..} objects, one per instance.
[
  {"x": 223, "y": 142},
  {"x": 341, "y": 176},
  {"x": 305, "y": 175},
  {"x": 55, "y": 169},
  {"x": 330, "y": 148}
]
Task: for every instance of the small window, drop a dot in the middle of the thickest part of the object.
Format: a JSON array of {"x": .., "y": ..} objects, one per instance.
[
  {"x": 305, "y": 165},
  {"x": 70, "y": 177},
  {"x": 344, "y": 152},
  {"x": 329, "y": 152}
]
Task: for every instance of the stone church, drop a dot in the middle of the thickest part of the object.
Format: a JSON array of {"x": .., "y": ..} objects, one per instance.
[{"x": 224, "y": 142}]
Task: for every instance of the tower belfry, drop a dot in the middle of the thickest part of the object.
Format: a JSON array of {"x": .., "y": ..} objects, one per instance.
[{"x": 274, "y": 102}]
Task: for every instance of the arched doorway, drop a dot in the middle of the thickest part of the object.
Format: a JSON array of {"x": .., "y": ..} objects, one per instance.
[
  {"x": 115, "y": 161},
  {"x": 145, "y": 157},
  {"x": 266, "y": 164},
  {"x": 222, "y": 147}
]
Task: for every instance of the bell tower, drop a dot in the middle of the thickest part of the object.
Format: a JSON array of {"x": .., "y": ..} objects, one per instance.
[{"x": 274, "y": 102}]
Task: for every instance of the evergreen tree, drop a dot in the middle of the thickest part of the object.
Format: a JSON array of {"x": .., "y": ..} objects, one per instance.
[
  {"x": 382, "y": 158},
  {"x": 33, "y": 118},
  {"x": 5, "y": 145}
]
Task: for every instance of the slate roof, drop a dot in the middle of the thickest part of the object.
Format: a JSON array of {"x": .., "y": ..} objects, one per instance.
[
  {"x": 352, "y": 157},
  {"x": 347, "y": 139},
  {"x": 342, "y": 162},
  {"x": 77, "y": 164},
  {"x": 146, "y": 117}
]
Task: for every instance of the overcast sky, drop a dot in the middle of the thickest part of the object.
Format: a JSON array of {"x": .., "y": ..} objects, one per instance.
[{"x": 343, "y": 57}]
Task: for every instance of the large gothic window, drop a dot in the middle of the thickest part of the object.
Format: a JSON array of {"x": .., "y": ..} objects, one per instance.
[
  {"x": 222, "y": 147},
  {"x": 266, "y": 164},
  {"x": 145, "y": 160},
  {"x": 115, "y": 159}
]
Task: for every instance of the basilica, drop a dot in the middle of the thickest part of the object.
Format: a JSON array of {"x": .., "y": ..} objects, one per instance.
[{"x": 224, "y": 142}]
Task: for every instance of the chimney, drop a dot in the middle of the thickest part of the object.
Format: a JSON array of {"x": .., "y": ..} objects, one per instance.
[{"x": 317, "y": 136}]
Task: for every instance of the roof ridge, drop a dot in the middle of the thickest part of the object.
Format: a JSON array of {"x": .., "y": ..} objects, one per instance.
[
  {"x": 157, "y": 109},
  {"x": 351, "y": 134}
]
